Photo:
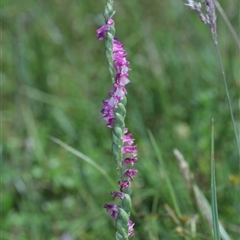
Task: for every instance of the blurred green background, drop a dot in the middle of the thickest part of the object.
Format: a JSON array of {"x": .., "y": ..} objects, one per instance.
[{"x": 54, "y": 78}]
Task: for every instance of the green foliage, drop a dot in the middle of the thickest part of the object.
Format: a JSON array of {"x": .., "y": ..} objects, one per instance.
[{"x": 54, "y": 77}]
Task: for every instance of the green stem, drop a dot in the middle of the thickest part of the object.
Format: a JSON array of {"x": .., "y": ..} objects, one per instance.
[
  {"x": 229, "y": 25},
  {"x": 117, "y": 137},
  {"x": 213, "y": 190},
  {"x": 108, "y": 13},
  {"x": 227, "y": 92}
]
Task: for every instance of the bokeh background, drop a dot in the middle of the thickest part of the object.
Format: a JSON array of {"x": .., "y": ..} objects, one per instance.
[{"x": 54, "y": 78}]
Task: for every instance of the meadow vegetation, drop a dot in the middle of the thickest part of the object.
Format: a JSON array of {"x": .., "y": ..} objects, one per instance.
[{"x": 54, "y": 78}]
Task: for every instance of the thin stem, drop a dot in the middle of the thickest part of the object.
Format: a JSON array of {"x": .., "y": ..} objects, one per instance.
[
  {"x": 227, "y": 93},
  {"x": 213, "y": 190},
  {"x": 226, "y": 20}
]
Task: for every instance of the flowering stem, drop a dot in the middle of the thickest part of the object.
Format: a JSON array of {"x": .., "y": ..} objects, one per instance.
[{"x": 114, "y": 112}]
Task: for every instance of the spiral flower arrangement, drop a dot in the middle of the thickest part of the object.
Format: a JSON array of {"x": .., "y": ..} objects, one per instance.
[{"x": 114, "y": 113}]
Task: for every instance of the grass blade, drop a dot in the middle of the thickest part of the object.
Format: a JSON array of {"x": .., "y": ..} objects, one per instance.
[
  {"x": 201, "y": 201},
  {"x": 228, "y": 96},
  {"x": 167, "y": 178},
  {"x": 213, "y": 190},
  {"x": 86, "y": 159}
]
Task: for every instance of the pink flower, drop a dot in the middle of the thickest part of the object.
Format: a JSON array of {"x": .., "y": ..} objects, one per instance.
[
  {"x": 121, "y": 79},
  {"x": 128, "y": 139},
  {"x": 118, "y": 194},
  {"x": 123, "y": 185},
  {"x": 102, "y": 31},
  {"x": 129, "y": 150},
  {"x": 112, "y": 209},
  {"x": 130, "y": 228},
  {"x": 129, "y": 161},
  {"x": 130, "y": 173}
]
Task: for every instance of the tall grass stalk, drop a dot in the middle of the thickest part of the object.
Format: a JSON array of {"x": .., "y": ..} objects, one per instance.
[
  {"x": 209, "y": 18},
  {"x": 227, "y": 94},
  {"x": 229, "y": 25},
  {"x": 213, "y": 190}
]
